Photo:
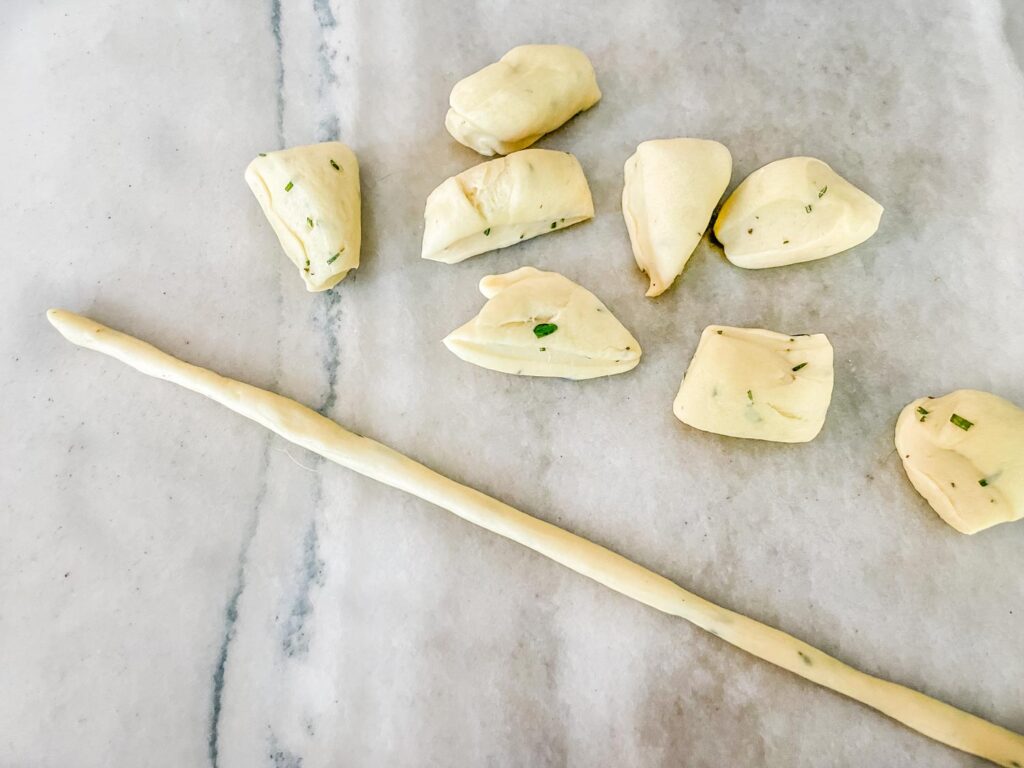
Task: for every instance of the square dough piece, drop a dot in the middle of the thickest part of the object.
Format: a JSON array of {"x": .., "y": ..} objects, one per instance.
[{"x": 758, "y": 384}]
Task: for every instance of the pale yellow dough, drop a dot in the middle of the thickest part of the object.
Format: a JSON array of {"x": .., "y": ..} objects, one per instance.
[
  {"x": 793, "y": 210},
  {"x": 310, "y": 196},
  {"x": 503, "y": 202},
  {"x": 587, "y": 341},
  {"x": 307, "y": 428},
  {"x": 749, "y": 382},
  {"x": 670, "y": 190},
  {"x": 964, "y": 453},
  {"x": 530, "y": 91}
]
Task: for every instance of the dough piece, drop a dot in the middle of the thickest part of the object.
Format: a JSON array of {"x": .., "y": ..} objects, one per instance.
[
  {"x": 964, "y": 453},
  {"x": 503, "y": 202},
  {"x": 542, "y": 324},
  {"x": 671, "y": 189},
  {"x": 748, "y": 382},
  {"x": 308, "y": 429},
  {"x": 530, "y": 91},
  {"x": 794, "y": 210},
  {"x": 310, "y": 196}
]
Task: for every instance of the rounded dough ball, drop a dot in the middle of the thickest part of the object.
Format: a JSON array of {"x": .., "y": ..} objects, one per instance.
[{"x": 964, "y": 453}]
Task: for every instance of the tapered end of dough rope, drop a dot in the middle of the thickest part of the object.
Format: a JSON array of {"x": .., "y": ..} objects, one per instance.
[
  {"x": 74, "y": 328},
  {"x": 59, "y": 319}
]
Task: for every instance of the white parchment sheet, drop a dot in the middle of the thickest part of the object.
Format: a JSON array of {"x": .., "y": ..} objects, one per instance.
[{"x": 179, "y": 588}]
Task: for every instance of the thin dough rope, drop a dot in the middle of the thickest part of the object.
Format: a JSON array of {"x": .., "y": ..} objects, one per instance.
[{"x": 316, "y": 433}]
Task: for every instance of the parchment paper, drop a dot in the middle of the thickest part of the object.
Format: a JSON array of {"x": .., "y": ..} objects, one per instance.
[{"x": 179, "y": 588}]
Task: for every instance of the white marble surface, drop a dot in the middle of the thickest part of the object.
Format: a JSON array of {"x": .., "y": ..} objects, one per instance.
[{"x": 179, "y": 588}]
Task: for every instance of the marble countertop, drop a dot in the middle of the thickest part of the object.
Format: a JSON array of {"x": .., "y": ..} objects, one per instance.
[{"x": 178, "y": 587}]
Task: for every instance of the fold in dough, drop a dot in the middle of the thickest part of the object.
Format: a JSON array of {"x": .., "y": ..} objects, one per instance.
[
  {"x": 310, "y": 196},
  {"x": 964, "y": 453},
  {"x": 502, "y": 202},
  {"x": 671, "y": 189},
  {"x": 543, "y": 324},
  {"x": 530, "y": 91},
  {"x": 794, "y": 210},
  {"x": 753, "y": 383}
]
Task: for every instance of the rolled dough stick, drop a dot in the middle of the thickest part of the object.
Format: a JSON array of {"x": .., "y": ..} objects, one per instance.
[{"x": 316, "y": 433}]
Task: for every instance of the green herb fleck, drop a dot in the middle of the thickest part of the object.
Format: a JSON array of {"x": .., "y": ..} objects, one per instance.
[
  {"x": 961, "y": 422},
  {"x": 309, "y": 222},
  {"x": 719, "y": 333},
  {"x": 805, "y": 657},
  {"x": 923, "y": 412},
  {"x": 288, "y": 187},
  {"x": 785, "y": 242},
  {"x": 544, "y": 329},
  {"x": 750, "y": 395},
  {"x": 543, "y": 349},
  {"x": 334, "y": 258},
  {"x": 263, "y": 154},
  {"x": 306, "y": 268},
  {"x": 750, "y": 231},
  {"x": 983, "y": 482},
  {"x": 334, "y": 165},
  {"x": 798, "y": 367},
  {"x": 822, "y": 191},
  {"x": 487, "y": 232},
  {"x": 808, "y": 208},
  {"x": 554, "y": 224}
]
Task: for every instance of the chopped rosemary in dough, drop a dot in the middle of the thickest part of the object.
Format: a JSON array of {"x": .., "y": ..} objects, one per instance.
[
  {"x": 310, "y": 196},
  {"x": 742, "y": 382},
  {"x": 671, "y": 189},
  {"x": 502, "y": 202},
  {"x": 964, "y": 453},
  {"x": 793, "y": 210},
  {"x": 582, "y": 339},
  {"x": 530, "y": 91}
]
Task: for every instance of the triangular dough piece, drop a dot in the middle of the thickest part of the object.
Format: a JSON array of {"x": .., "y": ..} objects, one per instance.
[
  {"x": 671, "y": 189},
  {"x": 503, "y": 202},
  {"x": 543, "y": 324},
  {"x": 794, "y": 210},
  {"x": 310, "y": 196}
]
